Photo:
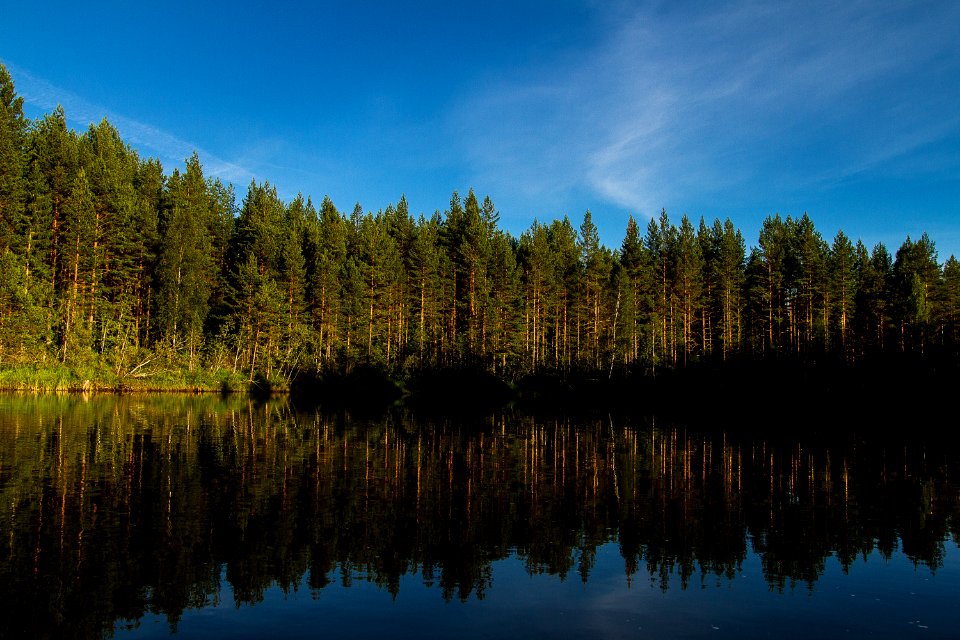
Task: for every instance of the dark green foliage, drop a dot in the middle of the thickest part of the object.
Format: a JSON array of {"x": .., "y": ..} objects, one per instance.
[
  {"x": 12, "y": 188},
  {"x": 950, "y": 306},
  {"x": 185, "y": 270},
  {"x": 915, "y": 283},
  {"x": 843, "y": 287},
  {"x": 121, "y": 272}
]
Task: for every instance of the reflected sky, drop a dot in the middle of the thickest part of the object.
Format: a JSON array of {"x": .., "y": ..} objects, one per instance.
[{"x": 876, "y": 597}]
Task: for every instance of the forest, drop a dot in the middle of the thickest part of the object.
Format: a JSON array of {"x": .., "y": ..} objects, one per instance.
[{"x": 116, "y": 274}]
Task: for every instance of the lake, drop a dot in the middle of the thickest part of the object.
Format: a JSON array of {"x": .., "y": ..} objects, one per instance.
[{"x": 200, "y": 516}]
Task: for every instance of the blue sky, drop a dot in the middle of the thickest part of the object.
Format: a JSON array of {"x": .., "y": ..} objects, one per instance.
[{"x": 847, "y": 110}]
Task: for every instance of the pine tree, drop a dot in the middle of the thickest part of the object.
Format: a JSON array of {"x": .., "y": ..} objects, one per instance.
[
  {"x": 379, "y": 263},
  {"x": 633, "y": 261},
  {"x": 875, "y": 276},
  {"x": 723, "y": 266},
  {"x": 471, "y": 255},
  {"x": 915, "y": 280},
  {"x": 594, "y": 279},
  {"x": 424, "y": 266},
  {"x": 257, "y": 269},
  {"x": 149, "y": 184},
  {"x": 567, "y": 284},
  {"x": 808, "y": 312},
  {"x": 688, "y": 265},
  {"x": 53, "y": 162},
  {"x": 537, "y": 259},
  {"x": 502, "y": 316},
  {"x": 79, "y": 233},
  {"x": 950, "y": 312},
  {"x": 12, "y": 163},
  {"x": 774, "y": 256},
  {"x": 22, "y": 326},
  {"x": 326, "y": 258},
  {"x": 466, "y": 236},
  {"x": 294, "y": 342},
  {"x": 221, "y": 232},
  {"x": 186, "y": 266},
  {"x": 116, "y": 242},
  {"x": 843, "y": 286},
  {"x": 657, "y": 242},
  {"x": 400, "y": 227}
]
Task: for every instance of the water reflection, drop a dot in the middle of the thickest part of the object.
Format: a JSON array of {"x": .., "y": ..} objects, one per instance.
[{"x": 113, "y": 508}]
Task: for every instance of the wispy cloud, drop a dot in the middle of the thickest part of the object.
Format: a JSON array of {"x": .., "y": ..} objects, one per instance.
[
  {"x": 80, "y": 112},
  {"x": 679, "y": 104}
]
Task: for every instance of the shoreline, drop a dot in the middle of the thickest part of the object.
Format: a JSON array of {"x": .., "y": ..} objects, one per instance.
[{"x": 897, "y": 382}]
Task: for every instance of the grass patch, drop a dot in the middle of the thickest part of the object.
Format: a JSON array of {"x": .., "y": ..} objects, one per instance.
[
  {"x": 56, "y": 378},
  {"x": 60, "y": 378}
]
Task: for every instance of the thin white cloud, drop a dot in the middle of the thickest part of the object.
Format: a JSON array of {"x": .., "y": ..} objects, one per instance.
[
  {"x": 80, "y": 112},
  {"x": 678, "y": 104}
]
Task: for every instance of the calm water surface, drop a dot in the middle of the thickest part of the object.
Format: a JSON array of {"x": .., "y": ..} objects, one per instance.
[{"x": 205, "y": 517}]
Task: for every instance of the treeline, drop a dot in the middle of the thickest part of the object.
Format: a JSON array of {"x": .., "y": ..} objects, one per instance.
[{"x": 113, "y": 269}]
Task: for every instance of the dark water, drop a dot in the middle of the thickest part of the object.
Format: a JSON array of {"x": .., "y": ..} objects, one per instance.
[{"x": 219, "y": 518}]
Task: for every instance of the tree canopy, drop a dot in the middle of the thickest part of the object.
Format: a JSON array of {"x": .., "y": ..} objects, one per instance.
[{"x": 106, "y": 261}]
